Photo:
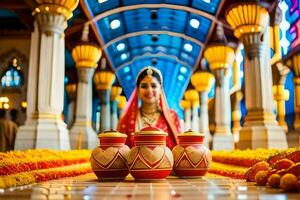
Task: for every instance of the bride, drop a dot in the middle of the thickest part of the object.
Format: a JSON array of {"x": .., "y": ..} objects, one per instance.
[{"x": 153, "y": 111}]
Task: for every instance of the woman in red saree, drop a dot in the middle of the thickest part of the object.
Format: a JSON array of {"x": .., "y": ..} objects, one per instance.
[{"x": 153, "y": 111}]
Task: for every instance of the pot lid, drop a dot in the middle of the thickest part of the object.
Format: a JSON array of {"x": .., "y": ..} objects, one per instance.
[
  {"x": 151, "y": 130},
  {"x": 111, "y": 133},
  {"x": 191, "y": 133}
]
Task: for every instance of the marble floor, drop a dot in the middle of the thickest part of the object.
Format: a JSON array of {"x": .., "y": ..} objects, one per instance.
[{"x": 87, "y": 187}]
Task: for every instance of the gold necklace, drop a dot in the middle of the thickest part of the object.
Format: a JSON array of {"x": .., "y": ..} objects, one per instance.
[
  {"x": 149, "y": 113},
  {"x": 149, "y": 118}
]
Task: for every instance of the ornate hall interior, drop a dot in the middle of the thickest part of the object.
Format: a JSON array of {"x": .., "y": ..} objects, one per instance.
[{"x": 230, "y": 68}]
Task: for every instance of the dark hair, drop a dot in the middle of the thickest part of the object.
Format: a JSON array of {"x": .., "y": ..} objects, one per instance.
[
  {"x": 2, "y": 113},
  {"x": 143, "y": 73}
]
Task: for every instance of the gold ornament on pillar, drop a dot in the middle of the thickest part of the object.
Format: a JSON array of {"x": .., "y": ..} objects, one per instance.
[
  {"x": 192, "y": 95},
  {"x": 86, "y": 55},
  {"x": 219, "y": 56},
  {"x": 121, "y": 101},
  {"x": 104, "y": 80},
  {"x": 185, "y": 104},
  {"x": 202, "y": 81},
  {"x": 71, "y": 89},
  {"x": 115, "y": 92},
  {"x": 64, "y": 8},
  {"x": 247, "y": 18}
]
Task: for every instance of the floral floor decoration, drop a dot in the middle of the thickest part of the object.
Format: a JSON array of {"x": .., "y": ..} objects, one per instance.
[
  {"x": 32, "y": 166},
  {"x": 267, "y": 167},
  {"x": 19, "y": 168},
  {"x": 236, "y": 163}
]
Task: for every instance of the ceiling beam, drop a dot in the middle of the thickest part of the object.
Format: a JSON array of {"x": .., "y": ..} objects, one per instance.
[
  {"x": 155, "y": 6},
  {"x": 134, "y": 34},
  {"x": 155, "y": 56}
]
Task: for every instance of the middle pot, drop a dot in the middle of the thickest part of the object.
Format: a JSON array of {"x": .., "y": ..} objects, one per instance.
[{"x": 150, "y": 159}]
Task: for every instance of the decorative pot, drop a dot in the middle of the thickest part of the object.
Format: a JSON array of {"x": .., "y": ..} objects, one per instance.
[
  {"x": 150, "y": 159},
  {"x": 109, "y": 160},
  {"x": 191, "y": 157}
]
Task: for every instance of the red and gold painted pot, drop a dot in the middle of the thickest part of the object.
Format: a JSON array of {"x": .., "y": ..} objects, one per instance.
[
  {"x": 150, "y": 159},
  {"x": 191, "y": 157},
  {"x": 109, "y": 160}
]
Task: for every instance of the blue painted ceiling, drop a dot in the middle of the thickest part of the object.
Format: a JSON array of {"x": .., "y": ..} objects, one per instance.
[{"x": 167, "y": 34}]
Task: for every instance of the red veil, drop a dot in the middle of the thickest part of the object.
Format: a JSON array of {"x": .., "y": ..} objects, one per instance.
[{"x": 127, "y": 121}]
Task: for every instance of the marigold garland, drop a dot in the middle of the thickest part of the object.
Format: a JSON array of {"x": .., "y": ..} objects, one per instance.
[
  {"x": 246, "y": 158},
  {"x": 32, "y": 166},
  {"x": 22, "y": 161},
  {"x": 231, "y": 171},
  {"x": 25, "y": 178}
]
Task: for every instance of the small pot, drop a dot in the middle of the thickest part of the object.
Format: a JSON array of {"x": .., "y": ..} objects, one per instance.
[
  {"x": 150, "y": 158},
  {"x": 109, "y": 160},
  {"x": 191, "y": 157}
]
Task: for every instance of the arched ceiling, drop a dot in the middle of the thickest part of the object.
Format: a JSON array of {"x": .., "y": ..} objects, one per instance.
[{"x": 169, "y": 34}]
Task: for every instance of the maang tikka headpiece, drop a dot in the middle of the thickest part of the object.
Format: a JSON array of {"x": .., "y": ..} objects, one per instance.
[{"x": 150, "y": 71}]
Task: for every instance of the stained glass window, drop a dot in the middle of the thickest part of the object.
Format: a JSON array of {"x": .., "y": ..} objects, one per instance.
[{"x": 12, "y": 77}]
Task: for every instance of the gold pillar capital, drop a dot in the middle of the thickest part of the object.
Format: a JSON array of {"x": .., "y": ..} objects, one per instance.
[
  {"x": 196, "y": 104},
  {"x": 64, "y": 8},
  {"x": 86, "y": 55},
  {"x": 71, "y": 89},
  {"x": 247, "y": 17},
  {"x": 202, "y": 81},
  {"x": 121, "y": 101},
  {"x": 191, "y": 95},
  {"x": 185, "y": 104},
  {"x": 104, "y": 79},
  {"x": 219, "y": 56},
  {"x": 115, "y": 92}
]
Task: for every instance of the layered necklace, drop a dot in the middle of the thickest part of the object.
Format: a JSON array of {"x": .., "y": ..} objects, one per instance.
[{"x": 150, "y": 118}]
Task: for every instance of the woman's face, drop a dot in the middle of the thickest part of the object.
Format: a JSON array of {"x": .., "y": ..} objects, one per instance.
[{"x": 149, "y": 90}]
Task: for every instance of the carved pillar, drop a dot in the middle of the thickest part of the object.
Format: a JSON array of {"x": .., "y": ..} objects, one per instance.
[
  {"x": 221, "y": 57},
  {"x": 250, "y": 23},
  {"x": 193, "y": 97},
  {"x": 44, "y": 127},
  {"x": 279, "y": 73},
  {"x": 103, "y": 81},
  {"x": 280, "y": 96},
  {"x": 115, "y": 93},
  {"x": 86, "y": 56},
  {"x": 71, "y": 89},
  {"x": 186, "y": 105},
  {"x": 203, "y": 82}
]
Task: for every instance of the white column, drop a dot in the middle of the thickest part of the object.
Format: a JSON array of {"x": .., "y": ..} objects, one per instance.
[
  {"x": 114, "y": 114},
  {"x": 82, "y": 127},
  {"x": 260, "y": 128},
  {"x": 187, "y": 119},
  {"x": 105, "y": 116},
  {"x": 222, "y": 137},
  {"x": 203, "y": 122},
  {"x": 71, "y": 113},
  {"x": 195, "y": 116},
  {"x": 44, "y": 127}
]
